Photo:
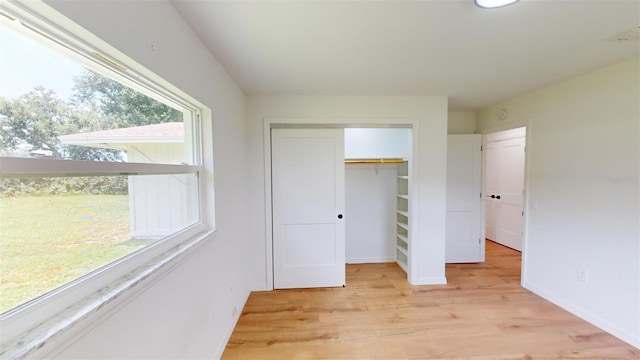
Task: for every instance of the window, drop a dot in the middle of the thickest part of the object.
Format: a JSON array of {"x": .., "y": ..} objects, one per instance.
[{"x": 100, "y": 168}]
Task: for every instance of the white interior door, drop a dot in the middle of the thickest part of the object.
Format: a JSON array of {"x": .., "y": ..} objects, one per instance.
[
  {"x": 504, "y": 187},
  {"x": 464, "y": 204},
  {"x": 492, "y": 186},
  {"x": 308, "y": 203},
  {"x": 511, "y": 195}
]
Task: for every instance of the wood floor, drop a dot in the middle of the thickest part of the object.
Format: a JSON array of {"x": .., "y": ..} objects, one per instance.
[{"x": 482, "y": 313}]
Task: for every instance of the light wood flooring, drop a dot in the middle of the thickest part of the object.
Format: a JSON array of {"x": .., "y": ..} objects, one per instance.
[{"x": 482, "y": 313}]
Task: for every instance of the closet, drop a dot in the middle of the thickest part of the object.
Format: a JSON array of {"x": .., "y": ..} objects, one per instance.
[{"x": 377, "y": 195}]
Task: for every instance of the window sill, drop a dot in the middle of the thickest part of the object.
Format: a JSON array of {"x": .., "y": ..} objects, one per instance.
[{"x": 34, "y": 339}]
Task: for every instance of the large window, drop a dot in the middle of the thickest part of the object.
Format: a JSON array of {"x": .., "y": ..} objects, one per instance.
[{"x": 98, "y": 164}]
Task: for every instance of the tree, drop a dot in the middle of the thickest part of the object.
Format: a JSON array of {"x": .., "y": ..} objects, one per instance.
[
  {"x": 123, "y": 106},
  {"x": 32, "y": 122},
  {"x": 88, "y": 119}
]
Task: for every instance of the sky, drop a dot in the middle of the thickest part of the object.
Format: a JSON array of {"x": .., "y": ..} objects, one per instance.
[{"x": 25, "y": 63}]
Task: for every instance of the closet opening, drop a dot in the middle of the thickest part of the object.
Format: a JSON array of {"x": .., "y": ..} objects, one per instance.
[{"x": 378, "y": 195}]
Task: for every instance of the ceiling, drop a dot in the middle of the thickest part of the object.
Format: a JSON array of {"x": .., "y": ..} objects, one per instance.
[{"x": 475, "y": 56}]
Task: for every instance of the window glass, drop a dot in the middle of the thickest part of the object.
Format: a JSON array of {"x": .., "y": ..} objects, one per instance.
[
  {"x": 55, "y": 230},
  {"x": 53, "y": 107}
]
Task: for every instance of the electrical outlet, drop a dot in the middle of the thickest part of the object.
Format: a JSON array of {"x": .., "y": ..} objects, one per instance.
[{"x": 582, "y": 275}]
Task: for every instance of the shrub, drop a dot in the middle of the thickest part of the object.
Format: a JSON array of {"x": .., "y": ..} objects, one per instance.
[{"x": 98, "y": 185}]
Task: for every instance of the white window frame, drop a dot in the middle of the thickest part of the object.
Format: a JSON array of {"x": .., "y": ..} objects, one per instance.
[{"x": 29, "y": 326}]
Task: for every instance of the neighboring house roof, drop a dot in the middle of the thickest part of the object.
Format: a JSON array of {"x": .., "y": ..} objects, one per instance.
[{"x": 171, "y": 132}]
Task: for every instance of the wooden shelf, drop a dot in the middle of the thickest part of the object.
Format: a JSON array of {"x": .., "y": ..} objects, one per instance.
[
  {"x": 374, "y": 161},
  {"x": 404, "y": 213}
]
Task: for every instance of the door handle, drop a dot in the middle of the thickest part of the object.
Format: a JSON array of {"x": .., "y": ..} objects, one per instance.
[
  {"x": 498, "y": 197},
  {"x": 339, "y": 216},
  {"x": 492, "y": 196}
]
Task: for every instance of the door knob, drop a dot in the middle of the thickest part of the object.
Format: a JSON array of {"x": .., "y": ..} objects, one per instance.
[
  {"x": 493, "y": 196},
  {"x": 498, "y": 197},
  {"x": 339, "y": 216}
]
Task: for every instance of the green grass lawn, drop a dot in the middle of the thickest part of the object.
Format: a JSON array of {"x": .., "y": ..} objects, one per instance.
[{"x": 48, "y": 241}]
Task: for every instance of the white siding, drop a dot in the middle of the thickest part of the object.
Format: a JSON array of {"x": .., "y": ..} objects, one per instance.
[{"x": 160, "y": 204}]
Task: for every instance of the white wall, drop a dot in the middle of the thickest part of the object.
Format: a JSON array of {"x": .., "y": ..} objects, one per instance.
[
  {"x": 188, "y": 313},
  {"x": 370, "y": 215},
  {"x": 371, "y": 192},
  {"x": 374, "y": 143},
  {"x": 583, "y": 206},
  {"x": 461, "y": 122},
  {"x": 429, "y": 166}
]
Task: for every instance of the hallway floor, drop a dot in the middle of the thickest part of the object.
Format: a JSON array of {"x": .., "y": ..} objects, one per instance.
[{"x": 482, "y": 313}]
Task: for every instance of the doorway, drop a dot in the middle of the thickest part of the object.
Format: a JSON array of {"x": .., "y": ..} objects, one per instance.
[
  {"x": 301, "y": 162},
  {"x": 504, "y": 173}
]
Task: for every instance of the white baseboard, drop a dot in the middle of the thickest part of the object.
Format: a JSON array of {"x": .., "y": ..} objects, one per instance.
[
  {"x": 259, "y": 287},
  {"x": 624, "y": 335},
  {"x": 223, "y": 344},
  {"x": 370, "y": 260}
]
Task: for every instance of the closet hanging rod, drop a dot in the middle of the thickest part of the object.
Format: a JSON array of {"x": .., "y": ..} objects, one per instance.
[{"x": 374, "y": 161}]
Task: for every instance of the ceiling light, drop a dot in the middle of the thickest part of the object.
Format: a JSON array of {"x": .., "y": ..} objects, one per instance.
[{"x": 490, "y": 4}]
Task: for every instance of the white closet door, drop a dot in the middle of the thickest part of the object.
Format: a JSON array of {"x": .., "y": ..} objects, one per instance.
[
  {"x": 308, "y": 204},
  {"x": 464, "y": 204}
]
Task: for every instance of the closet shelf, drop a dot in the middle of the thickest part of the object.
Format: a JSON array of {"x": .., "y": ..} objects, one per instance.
[
  {"x": 374, "y": 161},
  {"x": 403, "y": 265},
  {"x": 402, "y": 219},
  {"x": 403, "y": 238}
]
